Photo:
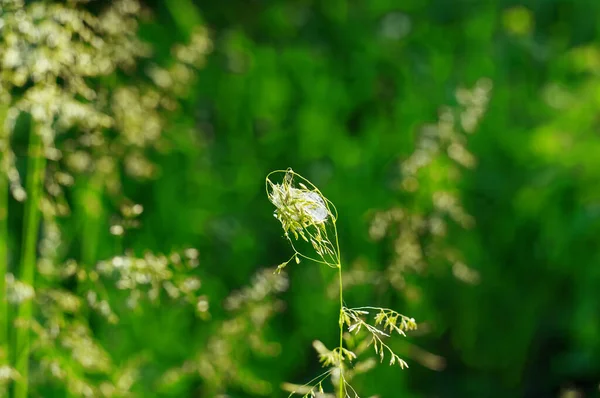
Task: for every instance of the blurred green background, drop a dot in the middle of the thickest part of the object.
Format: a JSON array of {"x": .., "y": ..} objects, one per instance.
[{"x": 459, "y": 141}]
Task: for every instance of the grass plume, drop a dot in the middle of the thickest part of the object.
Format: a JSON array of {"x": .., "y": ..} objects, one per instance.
[{"x": 309, "y": 219}]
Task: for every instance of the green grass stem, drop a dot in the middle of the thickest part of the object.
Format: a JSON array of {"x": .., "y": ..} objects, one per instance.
[
  {"x": 35, "y": 173},
  {"x": 4, "y": 321}
]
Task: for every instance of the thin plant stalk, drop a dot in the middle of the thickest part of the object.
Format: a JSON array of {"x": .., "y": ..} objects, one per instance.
[
  {"x": 4, "y": 321},
  {"x": 341, "y": 321},
  {"x": 303, "y": 213},
  {"x": 36, "y": 163},
  {"x": 4, "y": 264},
  {"x": 341, "y": 386}
]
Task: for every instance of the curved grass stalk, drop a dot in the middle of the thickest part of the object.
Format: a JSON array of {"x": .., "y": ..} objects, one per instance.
[
  {"x": 35, "y": 173},
  {"x": 309, "y": 387},
  {"x": 297, "y": 214},
  {"x": 348, "y": 385},
  {"x": 305, "y": 213}
]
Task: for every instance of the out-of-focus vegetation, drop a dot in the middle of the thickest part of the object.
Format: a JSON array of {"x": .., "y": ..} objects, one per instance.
[{"x": 458, "y": 140}]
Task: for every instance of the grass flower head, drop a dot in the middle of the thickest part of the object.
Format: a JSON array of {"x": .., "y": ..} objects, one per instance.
[{"x": 304, "y": 213}]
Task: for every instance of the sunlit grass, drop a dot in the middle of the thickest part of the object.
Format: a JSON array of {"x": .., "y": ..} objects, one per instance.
[{"x": 307, "y": 215}]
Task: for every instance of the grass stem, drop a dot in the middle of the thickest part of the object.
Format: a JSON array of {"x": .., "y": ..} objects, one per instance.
[
  {"x": 4, "y": 321},
  {"x": 341, "y": 322},
  {"x": 35, "y": 173}
]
